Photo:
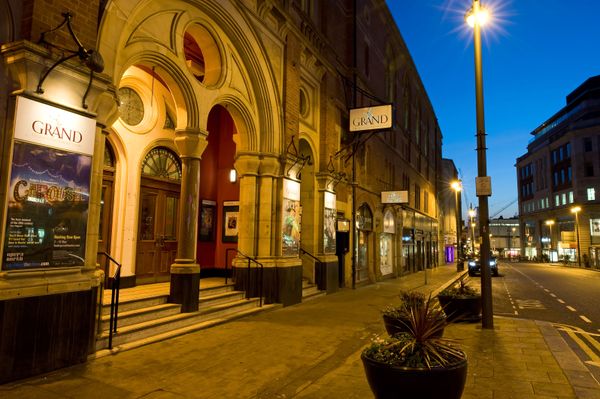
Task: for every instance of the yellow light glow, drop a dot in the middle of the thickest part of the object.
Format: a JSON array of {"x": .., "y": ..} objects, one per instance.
[
  {"x": 575, "y": 209},
  {"x": 549, "y": 222},
  {"x": 472, "y": 212},
  {"x": 481, "y": 18},
  {"x": 456, "y": 186}
]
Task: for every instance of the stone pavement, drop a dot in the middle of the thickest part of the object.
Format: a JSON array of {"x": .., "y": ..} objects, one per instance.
[{"x": 312, "y": 350}]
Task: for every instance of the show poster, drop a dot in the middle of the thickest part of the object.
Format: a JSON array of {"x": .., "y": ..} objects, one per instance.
[
  {"x": 329, "y": 219},
  {"x": 49, "y": 188},
  {"x": 291, "y": 220}
]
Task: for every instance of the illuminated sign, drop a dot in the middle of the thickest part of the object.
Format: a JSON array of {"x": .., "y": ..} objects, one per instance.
[
  {"x": 394, "y": 197},
  {"x": 371, "y": 118}
]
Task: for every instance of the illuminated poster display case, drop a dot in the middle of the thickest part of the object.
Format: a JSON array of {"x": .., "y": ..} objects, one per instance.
[{"x": 49, "y": 187}]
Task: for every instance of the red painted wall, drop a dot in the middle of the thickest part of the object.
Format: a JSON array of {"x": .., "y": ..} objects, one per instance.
[{"x": 216, "y": 163}]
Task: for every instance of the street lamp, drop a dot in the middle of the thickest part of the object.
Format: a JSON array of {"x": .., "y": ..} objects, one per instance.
[
  {"x": 476, "y": 17},
  {"x": 456, "y": 185},
  {"x": 576, "y": 210},
  {"x": 472, "y": 214},
  {"x": 550, "y": 223}
]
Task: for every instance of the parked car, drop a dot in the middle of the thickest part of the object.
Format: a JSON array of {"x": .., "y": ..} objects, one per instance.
[{"x": 475, "y": 266}]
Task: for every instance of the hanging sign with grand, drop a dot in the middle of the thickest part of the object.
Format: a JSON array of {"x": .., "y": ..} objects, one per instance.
[
  {"x": 371, "y": 118},
  {"x": 49, "y": 187}
]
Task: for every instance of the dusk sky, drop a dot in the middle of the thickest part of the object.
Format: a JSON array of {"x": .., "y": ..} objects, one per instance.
[{"x": 535, "y": 52}]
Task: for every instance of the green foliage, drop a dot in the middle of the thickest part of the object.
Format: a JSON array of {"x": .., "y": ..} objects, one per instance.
[
  {"x": 420, "y": 347},
  {"x": 460, "y": 291},
  {"x": 409, "y": 300}
]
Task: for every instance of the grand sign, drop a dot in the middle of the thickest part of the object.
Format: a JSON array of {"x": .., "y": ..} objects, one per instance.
[
  {"x": 49, "y": 186},
  {"x": 371, "y": 118}
]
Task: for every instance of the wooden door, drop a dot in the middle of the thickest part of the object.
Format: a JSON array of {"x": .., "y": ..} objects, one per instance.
[
  {"x": 104, "y": 229},
  {"x": 157, "y": 231}
]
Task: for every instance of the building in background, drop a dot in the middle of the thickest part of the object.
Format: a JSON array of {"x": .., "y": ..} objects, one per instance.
[
  {"x": 559, "y": 180},
  {"x": 449, "y": 208},
  {"x": 504, "y": 238},
  {"x": 183, "y": 138}
]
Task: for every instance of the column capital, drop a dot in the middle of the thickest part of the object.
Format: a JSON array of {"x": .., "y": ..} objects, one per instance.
[
  {"x": 191, "y": 142},
  {"x": 247, "y": 164},
  {"x": 270, "y": 165}
]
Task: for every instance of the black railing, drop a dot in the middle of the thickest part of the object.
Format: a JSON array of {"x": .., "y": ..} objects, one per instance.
[
  {"x": 247, "y": 281},
  {"x": 114, "y": 299},
  {"x": 318, "y": 278}
]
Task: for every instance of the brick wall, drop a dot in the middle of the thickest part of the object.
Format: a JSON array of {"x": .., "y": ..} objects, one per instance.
[{"x": 42, "y": 15}]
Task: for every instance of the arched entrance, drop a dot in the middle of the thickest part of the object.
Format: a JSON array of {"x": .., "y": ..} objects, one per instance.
[
  {"x": 364, "y": 226},
  {"x": 158, "y": 215},
  {"x": 106, "y": 208}
]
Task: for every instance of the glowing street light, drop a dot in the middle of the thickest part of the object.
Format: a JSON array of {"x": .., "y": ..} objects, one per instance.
[
  {"x": 576, "y": 210},
  {"x": 550, "y": 223},
  {"x": 483, "y": 182},
  {"x": 456, "y": 185},
  {"x": 472, "y": 214}
]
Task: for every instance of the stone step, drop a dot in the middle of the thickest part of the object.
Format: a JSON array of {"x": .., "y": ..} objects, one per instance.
[
  {"x": 146, "y": 329},
  {"x": 179, "y": 331},
  {"x": 311, "y": 291}
]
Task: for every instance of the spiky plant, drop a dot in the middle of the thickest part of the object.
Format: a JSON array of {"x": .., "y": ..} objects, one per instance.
[
  {"x": 421, "y": 346},
  {"x": 461, "y": 291},
  {"x": 408, "y": 300}
]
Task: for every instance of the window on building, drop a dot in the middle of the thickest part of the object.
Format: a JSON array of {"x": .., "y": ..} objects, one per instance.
[
  {"x": 562, "y": 176},
  {"x": 425, "y": 201},
  {"x": 591, "y": 194},
  {"x": 564, "y": 198},
  {"x": 588, "y": 169},
  {"x": 568, "y": 149},
  {"x": 569, "y": 174},
  {"x": 570, "y": 197},
  {"x": 417, "y": 196},
  {"x": 560, "y": 154},
  {"x": 587, "y": 144},
  {"x": 556, "y": 200}
]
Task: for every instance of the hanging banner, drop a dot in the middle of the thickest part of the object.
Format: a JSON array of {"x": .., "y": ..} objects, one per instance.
[
  {"x": 291, "y": 218},
  {"x": 49, "y": 186},
  {"x": 329, "y": 218}
]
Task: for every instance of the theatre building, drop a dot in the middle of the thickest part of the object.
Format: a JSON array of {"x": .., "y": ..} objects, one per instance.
[{"x": 177, "y": 141}]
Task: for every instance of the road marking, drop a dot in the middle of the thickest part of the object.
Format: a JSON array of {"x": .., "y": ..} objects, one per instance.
[
  {"x": 510, "y": 298},
  {"x": 546, "y": 289},
  {"x": 560, "y": 300},
  {"x": 587, "y": 347},
  {"x": 552, "y": 295},
  {"x": 571, "y": 308},
  {"x": 585, "y": 319},
  {"x": 530, "y": 304}
]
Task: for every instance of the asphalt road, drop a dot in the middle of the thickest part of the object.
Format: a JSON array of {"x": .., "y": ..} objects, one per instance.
[{"x": 567, "y": 297}]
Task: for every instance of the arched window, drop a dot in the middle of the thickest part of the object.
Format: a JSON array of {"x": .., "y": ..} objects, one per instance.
[{"x": 162, "y": 163}]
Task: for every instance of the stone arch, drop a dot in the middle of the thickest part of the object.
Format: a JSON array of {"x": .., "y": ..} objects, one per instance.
[{"x": 163, "y": 42}]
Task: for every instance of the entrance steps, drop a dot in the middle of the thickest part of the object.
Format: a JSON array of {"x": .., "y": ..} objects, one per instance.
[
  {"x": 145, "y": 319},
  {"x": 310, "y": 291}
]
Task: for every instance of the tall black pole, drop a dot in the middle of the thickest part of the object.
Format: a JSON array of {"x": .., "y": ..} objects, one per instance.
[
  {"x": 487, "y": 320},
  {"x": 353, "y": 182}
]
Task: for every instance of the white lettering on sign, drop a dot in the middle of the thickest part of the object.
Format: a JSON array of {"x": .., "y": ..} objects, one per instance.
[{"x": 40, "y": 123}]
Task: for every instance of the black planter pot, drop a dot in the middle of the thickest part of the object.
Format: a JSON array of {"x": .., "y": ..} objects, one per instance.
[
  {"x": 389, "y": 382},
  {"x": 461, "y": 308},
  {"x": 395, "y": 325}
]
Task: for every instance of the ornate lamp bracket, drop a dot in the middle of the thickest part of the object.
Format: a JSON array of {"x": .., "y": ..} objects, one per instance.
[
  {"x": 90, "y": 58},
  {"x": 296, "y": 158}
]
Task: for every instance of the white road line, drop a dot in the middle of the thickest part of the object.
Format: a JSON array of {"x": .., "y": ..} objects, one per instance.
[
  {"x": 560, "y": 300},
  {"x": 546, "y": 289},
  {"x": 552, "y": 295},
  {"x": 582, "y": 317},
  {"x": 571, "y": 308}
]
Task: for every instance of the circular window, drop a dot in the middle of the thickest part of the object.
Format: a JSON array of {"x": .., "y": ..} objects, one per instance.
[
  {"x": 303, "y": 104},
  {"x": 202, "y": 54},
  {"x": 163, "y": 163},
  {"x": 131, "y": 107}
]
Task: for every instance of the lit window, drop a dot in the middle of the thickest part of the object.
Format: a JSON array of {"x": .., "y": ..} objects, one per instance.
[
  {"x": 564, "y": 198},
  {"x": 591, "y": 194},
  {"x": 556, "y": 200},
  {"x": 570, "y": 197}
]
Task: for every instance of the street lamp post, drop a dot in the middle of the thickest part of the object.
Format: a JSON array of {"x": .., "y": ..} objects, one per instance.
[
  {"x": 550, "y": 223},
  {"x": 576, "y": 210},
  {"x": 476, "y": 18},
  {"x": 471, "y": 216},
  {"x": 457, "y": 187}
]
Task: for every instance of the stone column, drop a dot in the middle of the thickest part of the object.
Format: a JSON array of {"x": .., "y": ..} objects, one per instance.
[
  {"x": 247, "y": 166},
  {"x": 185, "y": 272}
]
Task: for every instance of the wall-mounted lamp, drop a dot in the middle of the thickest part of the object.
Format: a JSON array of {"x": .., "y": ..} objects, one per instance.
[{"x": 232, "y": 175}]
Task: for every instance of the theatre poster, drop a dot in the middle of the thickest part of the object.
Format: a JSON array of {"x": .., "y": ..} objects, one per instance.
[{"x": 49, "y": 187}]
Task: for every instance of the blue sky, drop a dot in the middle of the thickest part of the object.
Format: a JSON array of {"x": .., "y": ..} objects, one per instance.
[{"x": 535, "y": 53}]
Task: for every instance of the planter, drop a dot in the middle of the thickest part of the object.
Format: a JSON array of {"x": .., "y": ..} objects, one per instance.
[
  {"x": 459, "y": 308},
  {"x": 395, "y": 325},
  {"x": 401, "y": 382}
]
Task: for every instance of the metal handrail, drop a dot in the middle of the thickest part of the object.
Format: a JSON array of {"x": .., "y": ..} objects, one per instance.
[
  {"x": 317, "y": 261},
  {"x": 250, "y": 260},
  {"x": 114, "y": 299}
]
